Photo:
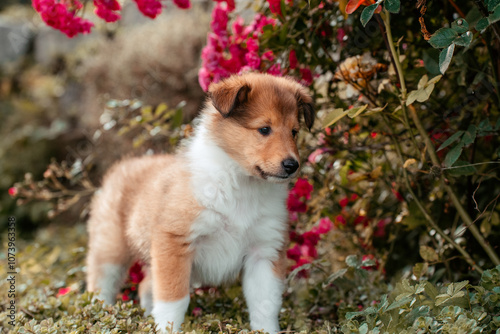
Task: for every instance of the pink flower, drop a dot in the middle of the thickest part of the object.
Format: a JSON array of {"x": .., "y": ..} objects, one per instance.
[
  {"x": 106, "y": 14},
  {"x": 204, "y": 78},
  {"x": 150, "y": 8},
  {"x": 219, "y": 19},
  {"x": 303, "y": 188},
  {"x": 292, "y": 58},
  {"x": 275, "y": 70},
  {"x": 268, "y": 55},
  {"x": 197, "y": 312},
  {"x": 253, "y": 60},
  {"x": 230, "y": 4},
  {"x": 63, "y": 291},
  {"x": 182, "y": 4},
  {"x": 61, "y": 17},
  {"x": 13, "y": 191},
  {"x": 325, "y": 225}
]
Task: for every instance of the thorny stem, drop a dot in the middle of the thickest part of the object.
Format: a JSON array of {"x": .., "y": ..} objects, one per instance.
[{"x": 435, "y": 160}]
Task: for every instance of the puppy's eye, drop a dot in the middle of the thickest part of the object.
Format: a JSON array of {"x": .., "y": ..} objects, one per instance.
[
  {"x": 265, "y": 130},
  {"x": 294, "y": 133}
]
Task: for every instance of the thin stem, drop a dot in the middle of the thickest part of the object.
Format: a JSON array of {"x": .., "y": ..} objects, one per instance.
[
  {"x": 456, "y": 202},
  {"x": 434, "y": 158},
  {"x": 421, "y": 207}
]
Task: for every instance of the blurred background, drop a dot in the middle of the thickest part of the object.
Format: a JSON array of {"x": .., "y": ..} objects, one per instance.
[{"x": 55, "y": 95}]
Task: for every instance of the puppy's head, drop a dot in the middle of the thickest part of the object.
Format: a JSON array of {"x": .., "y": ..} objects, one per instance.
[{"x": 258, "y": 120}]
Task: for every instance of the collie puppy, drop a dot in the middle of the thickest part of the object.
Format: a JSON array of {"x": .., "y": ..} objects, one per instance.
[{"x": 213, "y": 210}]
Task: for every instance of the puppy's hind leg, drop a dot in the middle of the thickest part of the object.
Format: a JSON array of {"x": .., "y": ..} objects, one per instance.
[{"x": 108, "y": 258}]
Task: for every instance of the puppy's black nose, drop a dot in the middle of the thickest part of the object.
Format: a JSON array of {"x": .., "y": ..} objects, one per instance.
[{"x": 290, "y": 165}]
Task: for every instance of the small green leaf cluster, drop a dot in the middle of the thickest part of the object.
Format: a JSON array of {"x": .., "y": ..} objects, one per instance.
[{"x": 423, "y": 307}]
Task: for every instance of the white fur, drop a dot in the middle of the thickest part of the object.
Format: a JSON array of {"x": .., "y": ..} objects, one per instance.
[
  {"x": 110, "y": 282},
  {"x": 170, "y": 314},
  {"x": 244, "y": 222},
  {"x": 263, "y": 292}
]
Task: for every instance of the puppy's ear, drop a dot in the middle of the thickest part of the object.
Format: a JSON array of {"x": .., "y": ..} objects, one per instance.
[
  {"x": 227, "y": 96},
  {"x": 306, "y": 107}
]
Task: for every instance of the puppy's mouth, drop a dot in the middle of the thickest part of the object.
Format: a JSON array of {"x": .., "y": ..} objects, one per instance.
[{"x": 265, "y": 175}]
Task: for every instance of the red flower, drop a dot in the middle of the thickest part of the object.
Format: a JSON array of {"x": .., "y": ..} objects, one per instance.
[
  {"x": 311, "y": 238},
  {"x": 370, "y": 257},
  {"x": 294, "y": 204},
  {"x": 354, "y": 197},
  {"x": 275, "y": 7},
  {"x": 13, "y": 191},
  {"x": 352, "y": 5},
  {"x": 150, "y": 8},
  {"x": 294, "y": 253},
  {"x": 307, "y": 78},
  {"x": 302, "y": 188},
  {"x": 292, "y": 58},
  {"x": 197, "y": 312},
  {"x": 340, "y": 220},
  {"x": 135, "y": 273},
  {"x": 373, "y": 135},
  {"x": 63, "y": 291},
  {"x": 343, "y": 202},
  {"x": 398, "y": 195},
  {"x": 182, "y": 4}
]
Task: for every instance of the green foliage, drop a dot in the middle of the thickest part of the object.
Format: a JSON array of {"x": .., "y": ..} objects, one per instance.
[{"x": 426, "y": 307}]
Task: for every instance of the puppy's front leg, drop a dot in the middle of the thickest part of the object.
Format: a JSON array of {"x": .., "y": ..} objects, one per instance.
[
  {"x": 263, "y": 285},
  {"x": 171, "y": 260}
]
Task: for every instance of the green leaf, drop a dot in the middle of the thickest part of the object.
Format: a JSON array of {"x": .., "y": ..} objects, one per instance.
[
  {"x": 392, "y": 6},
  {"x": 482, "y": 24},
  {"x": 428, "y": 254},
  {"x": 458, "y": 170},
  {"x": 431, "y": 57},
  {"x": 450, "y": 140},
  {"x": 333, "y": 116},
  {"x": 464, "y": 39},
  {"x": 367, "y": 13},
  {"x": 469, "y": 135},
  {"x": 492, "y": 4},
  {"x": 443, "y": 38},
  {"x": 356, "y": 111},
  {"x": 485, "y": 125},
  {"x": 335, "y": 276},
  {"x": 420, "y": 269},
  {"x": 460, "y": 26},
  {"x": 495, "y": 16},
  {"x": 453, "y": 155},
  {"x": 352, "y": 261},
  {"x": 400, "y": 302},
  {"x": 445, "y": 58}
]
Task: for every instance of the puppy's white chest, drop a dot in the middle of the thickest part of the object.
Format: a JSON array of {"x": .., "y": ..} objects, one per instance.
[{"x": 219, "y": 248}]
